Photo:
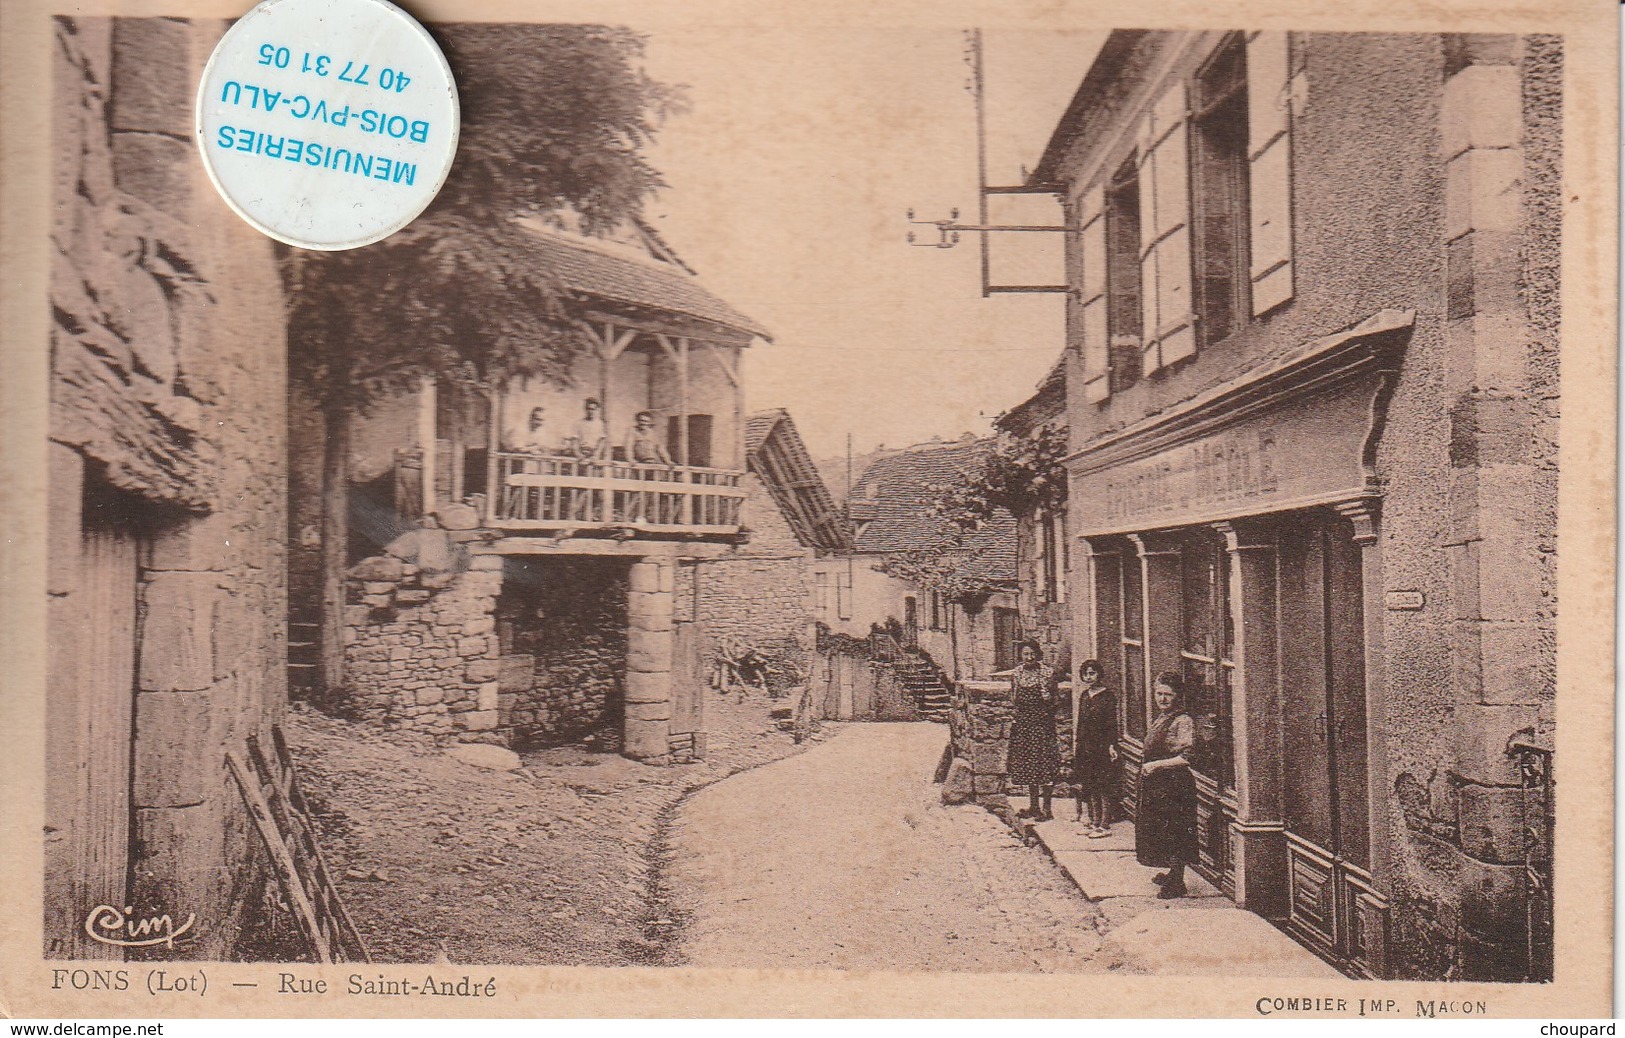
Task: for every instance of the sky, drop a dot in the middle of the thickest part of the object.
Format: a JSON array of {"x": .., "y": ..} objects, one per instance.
[{"x": 790, "y": 176}]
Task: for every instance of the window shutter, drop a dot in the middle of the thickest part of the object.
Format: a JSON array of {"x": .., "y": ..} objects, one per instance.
[
  {"x": 1092, "y": 295},
  {"x": 1269, "y": 149},
  {"x": 1165, "y": 233}
]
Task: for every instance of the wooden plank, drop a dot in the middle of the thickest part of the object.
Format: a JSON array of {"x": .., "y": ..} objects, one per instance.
[
  {"x": 281, "y": 860},
  {"x": 353, "y": 944}
]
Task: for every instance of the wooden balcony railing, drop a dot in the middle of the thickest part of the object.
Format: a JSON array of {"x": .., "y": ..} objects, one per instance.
[{"x": 536, "y": 492}]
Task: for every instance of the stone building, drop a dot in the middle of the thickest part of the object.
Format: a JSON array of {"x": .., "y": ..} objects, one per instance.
[
  {"x": 1313, "y": 397},
  {"x": 892, "y": 509},
  {"x": 166, "y": 646},
  {"x": 524, "y": 562},
  {"x": 759, "y": 594},
  {"x": 1043, "y": 549}
]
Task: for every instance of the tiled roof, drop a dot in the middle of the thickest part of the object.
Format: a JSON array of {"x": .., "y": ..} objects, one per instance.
[
  {"x": 612, "y": 271},
  {"x": 775, "y": 452},
  {"x": 897, "y": 495},
  {"x": 990, "y": 553},
  {"x": 759, "y": 423}
]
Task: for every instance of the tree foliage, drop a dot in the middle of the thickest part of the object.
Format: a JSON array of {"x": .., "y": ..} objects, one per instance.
[
  {"x": 1019, "y": 475},
  {"x": 553, "y": 116},
  {"x": 940, "y": 569}
]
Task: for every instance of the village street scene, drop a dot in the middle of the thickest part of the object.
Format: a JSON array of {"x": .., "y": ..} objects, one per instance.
[{"x": 972, "y": 503}]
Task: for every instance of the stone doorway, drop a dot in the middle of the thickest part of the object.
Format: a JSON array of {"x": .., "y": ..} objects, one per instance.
[{"x": 562, "y": 631}]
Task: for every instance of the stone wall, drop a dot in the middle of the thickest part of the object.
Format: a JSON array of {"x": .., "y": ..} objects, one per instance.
[
  {"x": 167, "y": 486},
  {"x": 848, "y": 686},
  {"x": 979, "y": 735},
  {"x": 1049, "y": 621},
  {"x": 484, "y": 647},
  {"x": 759, "y": 593},
  {"x": 421, "y": 647},
  {"x": 1461, "y": 824}
]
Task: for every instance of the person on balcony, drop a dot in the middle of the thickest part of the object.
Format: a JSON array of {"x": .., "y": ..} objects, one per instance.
[
  {"x": 1034, "y": 755},
  {"x": 1165, "y": 821},
  {"x": 589, "y": 445},
  {"x": 521, "y": 502},
  {"x": 534, "y": 440},
  {"x": 590, "y": 439},
  {"x": 643, "y": 448}
]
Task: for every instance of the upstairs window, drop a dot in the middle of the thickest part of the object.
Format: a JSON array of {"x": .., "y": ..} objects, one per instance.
[
  {"x": 1051, "y": 556},
  {"x": 1191, "y": 236},
  {"x": 1122, "y": 259},
  {"x": 1219, "y": 174}
]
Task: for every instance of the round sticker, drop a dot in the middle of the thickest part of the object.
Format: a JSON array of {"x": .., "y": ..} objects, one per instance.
[{"x": 327, "y": 124}]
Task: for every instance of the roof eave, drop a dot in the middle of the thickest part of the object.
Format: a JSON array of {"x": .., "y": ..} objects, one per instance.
[{"x": 1106, "y": 67}]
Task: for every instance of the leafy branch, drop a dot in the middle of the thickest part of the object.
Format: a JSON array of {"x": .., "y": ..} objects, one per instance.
[
  {"x": 937, "y": 569},
  {"x": 1019, "y": 475}
]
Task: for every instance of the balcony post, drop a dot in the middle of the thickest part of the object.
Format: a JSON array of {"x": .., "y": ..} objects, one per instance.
[
  {"x": 427, "y": 393},
  {"x": 682, "y": 401},
  {"x": 493, "y": 441}
]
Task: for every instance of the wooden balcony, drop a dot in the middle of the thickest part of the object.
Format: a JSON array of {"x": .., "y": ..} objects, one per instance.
[{"x": 559, "y": 493}]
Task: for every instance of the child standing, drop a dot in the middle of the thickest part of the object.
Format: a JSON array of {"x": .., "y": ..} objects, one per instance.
[{"x": 1094, "y": 747}]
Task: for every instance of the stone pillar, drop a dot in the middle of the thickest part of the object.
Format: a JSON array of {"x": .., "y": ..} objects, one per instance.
[
  {"x": 178, "y": 772},
  {"x": 1362, "y": 514},
  {"x": 651, "y": 599},
  {"x": 1501, "y": 540},
  {"x": 1258, "y": 835}
]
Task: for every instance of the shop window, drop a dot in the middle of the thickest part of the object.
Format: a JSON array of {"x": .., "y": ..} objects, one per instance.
[
  {"x": 1207, "y": 651},
  {"x": 1131, "y": 616}
]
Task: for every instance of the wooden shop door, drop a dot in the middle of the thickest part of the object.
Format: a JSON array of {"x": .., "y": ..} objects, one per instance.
[{"x": 1324, "y": 736}]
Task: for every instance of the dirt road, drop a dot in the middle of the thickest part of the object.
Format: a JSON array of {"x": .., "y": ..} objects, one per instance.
[{"x": 842, "y": 857}]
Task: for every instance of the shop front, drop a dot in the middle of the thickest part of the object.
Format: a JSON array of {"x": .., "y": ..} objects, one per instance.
[{"x": 1235, "y": 540}]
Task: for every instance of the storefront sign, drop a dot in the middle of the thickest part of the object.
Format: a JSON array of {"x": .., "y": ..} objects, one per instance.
[
  {"x": 1303, "y": 453},
  {"x": 1290, "y": 435}
]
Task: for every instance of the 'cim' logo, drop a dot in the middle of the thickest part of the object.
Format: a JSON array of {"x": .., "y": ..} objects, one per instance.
[{"x": 108, "y": 925}]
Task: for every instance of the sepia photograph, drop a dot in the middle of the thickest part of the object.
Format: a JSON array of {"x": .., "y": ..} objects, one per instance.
[{"x": 923, "y": 498}]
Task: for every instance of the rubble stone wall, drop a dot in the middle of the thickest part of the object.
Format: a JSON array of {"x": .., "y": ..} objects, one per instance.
[
  {"x": 563, "y": 673},
  {"x": 759, "y": 593},
  {"x": 421, "y": 650},
  {"x": 979, "y": 733}
]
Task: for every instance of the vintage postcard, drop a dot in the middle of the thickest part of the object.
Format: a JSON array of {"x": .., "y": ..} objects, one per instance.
[{"x": 830, "y": 505}]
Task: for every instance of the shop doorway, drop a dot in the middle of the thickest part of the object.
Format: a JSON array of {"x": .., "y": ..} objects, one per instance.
[{"x": 1323, "y": 704}]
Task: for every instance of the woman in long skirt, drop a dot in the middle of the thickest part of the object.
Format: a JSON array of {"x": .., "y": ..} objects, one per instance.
[
  {"x": 1094, "y": 747},
  {"x": 1165, "y": 821},
  {"x": 1034, "y": 756}
]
